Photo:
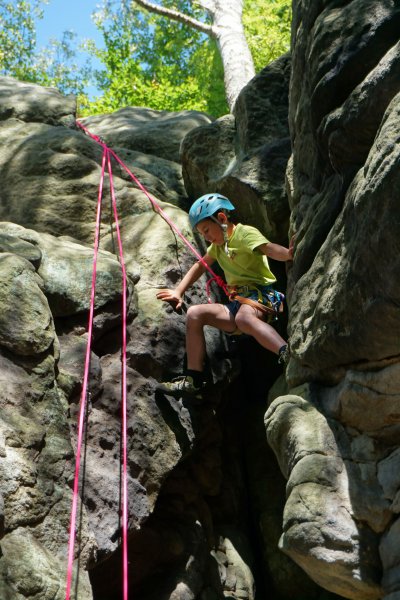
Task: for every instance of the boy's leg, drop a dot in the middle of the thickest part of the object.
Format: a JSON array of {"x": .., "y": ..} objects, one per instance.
[
  {"x": 250, "y": 321},
  {"x": 215, "y": 315},
  {"x": 198, "y": 316}
]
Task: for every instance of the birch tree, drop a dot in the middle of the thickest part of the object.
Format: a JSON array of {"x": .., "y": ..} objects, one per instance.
[{"x": 226, "y": 28}]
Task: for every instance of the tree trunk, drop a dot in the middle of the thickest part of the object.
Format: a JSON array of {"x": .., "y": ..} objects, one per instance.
[
  {"x": 232, "y": 44},
  {"x": 227, "y": 29}
]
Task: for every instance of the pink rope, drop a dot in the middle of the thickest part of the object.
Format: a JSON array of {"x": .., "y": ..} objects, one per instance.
[
  {"x": 123, "y": 391},
  {"x": 107, "y": 152},
  {"x": 82, "y": 409},
  {"x": 158, "y": 209}
]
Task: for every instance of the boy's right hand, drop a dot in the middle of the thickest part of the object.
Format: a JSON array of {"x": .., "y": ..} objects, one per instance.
[{"x": 171, "y": 296}]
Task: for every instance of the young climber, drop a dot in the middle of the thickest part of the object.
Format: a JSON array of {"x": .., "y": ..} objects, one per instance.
[{"x": 241, "y": 251}]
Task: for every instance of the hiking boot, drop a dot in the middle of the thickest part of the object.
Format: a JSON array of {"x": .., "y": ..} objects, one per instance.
[
  {"x": 284, "y": 355},
  {"x": 181, "y": 386}
]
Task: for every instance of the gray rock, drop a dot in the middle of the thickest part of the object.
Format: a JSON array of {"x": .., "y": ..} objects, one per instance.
[
  {"x": 344, "y": 103},
  {"x": 348, "y": 132},
  {"x": 18, "y": 246},
  {"x": 390, "y": 556},
  {"x": 66, "y": 277},
  {"x": 355, "y": 296},
  {"x": 154, "y": 450},
  {"x": 50, "y": 177},
  {"x": 26, "y": 324},
  {"x": 71, "y": 366},
  {"x": 389, "y": 474},
  {"x": 35, "y": 467},
  {"x": 161, "y": 177},
  {"x": 156, "y": 132},
  {"x": 366, "y": 400},
  {"x": 323, "y": 522},
  {"x": 261, "y": 110},
  {"x": 66, "y": 269},
  {"x": 29, "y": 570},
  {"x": 32, "y": 103}
]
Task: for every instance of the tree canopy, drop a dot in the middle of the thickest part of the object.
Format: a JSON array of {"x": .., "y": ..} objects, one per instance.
[
  {"x": 146, "y": 59},
  {"x": 55, "y": 65},
  {"x": 267, "y": 26},
  {"x": 226, "y": 28},
  {"x": 151, "y": 60}
]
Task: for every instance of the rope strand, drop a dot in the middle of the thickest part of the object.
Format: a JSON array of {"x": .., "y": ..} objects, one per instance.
[
  {"x": 82, "y": 408},
  {"x": 124, "y": 394},
  {"x": 106, "y": 162}
]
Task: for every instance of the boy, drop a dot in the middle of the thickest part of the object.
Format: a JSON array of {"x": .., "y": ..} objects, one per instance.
[{"x": 241, "y": 251}]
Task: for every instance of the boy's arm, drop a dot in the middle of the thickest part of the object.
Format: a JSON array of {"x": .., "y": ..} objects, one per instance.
[
  {"x": 176, "y": 295},
  {"x": 278, "y": 252}
]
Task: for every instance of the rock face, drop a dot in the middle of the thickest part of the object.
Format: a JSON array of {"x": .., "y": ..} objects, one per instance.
[
  {"x": 206, "y": 499},
  {"x": 187, "y": 496},
  {"x": 336, "y": 432}
]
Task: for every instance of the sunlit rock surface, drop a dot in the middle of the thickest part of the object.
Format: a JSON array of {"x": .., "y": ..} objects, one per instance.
[{"x": 336, "y": 433}]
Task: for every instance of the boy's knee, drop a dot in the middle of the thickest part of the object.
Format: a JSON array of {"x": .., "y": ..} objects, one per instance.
[
  {"x": 240, "y": 321},
  {"x": 243, "y": 321},
  {"x": 194, "y": 313}
]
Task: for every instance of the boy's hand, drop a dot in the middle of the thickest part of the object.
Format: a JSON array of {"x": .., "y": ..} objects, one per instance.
[{"x": 171, "y": 296}]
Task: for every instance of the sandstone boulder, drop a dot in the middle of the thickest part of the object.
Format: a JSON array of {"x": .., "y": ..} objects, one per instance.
[
  {"x": 32, "y": 103},
  {"x": 155, "y": 132},
  {"x": 66, "y": 268},
  {"x": 335, "y": 433},
  {"x": 26, "y": 323}
]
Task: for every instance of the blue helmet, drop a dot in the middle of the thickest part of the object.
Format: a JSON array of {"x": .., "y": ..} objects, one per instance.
[{"x": 205, "y": 206}]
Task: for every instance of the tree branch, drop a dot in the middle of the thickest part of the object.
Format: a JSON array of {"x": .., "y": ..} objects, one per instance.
[
  {"x": 176, "y": 16},
  {"x": 208, "y": 5}
]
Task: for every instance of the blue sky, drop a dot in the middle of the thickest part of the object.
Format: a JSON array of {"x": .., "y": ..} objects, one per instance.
[
  {"x": 74, "y": 15},
  {"x": 60, "y": 15}
]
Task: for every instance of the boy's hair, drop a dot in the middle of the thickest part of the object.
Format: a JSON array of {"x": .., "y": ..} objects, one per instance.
[
  {"x": 221, "y": 210},
  {"x": 232, "y": 218}
]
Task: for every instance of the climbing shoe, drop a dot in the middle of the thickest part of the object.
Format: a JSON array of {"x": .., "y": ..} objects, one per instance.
[
  {"x": 181, "y": 386},
  {"x": 284, "y": 355}
]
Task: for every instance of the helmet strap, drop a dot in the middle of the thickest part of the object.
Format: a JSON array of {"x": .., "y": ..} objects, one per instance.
[{"x": 224, "y": 227}]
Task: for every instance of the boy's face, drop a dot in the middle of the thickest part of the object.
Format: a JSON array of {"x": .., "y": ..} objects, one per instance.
[{"x": 211, "y": 231}]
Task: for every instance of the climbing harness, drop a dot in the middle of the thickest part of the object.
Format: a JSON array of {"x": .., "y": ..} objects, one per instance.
[
  {"x": 106, "y": 163},
  {"x": 269, "y": 302}
]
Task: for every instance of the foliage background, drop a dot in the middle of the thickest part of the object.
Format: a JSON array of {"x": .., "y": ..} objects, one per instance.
[{"x": 146, "y": 60}]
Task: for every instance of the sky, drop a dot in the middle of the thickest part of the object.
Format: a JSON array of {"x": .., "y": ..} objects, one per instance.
[
  {"x": 75, "y": 15},
  {"x": 60, "y": 15}
]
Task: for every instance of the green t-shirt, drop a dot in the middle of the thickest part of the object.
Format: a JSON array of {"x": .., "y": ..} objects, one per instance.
[{"x": 245, "y": 265}]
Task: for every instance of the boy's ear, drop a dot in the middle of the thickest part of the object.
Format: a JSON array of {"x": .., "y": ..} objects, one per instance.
[{"x": 222, "y": 218}]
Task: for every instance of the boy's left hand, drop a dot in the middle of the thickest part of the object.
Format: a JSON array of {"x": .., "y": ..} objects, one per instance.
[{"x": 171, "y": 296}]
